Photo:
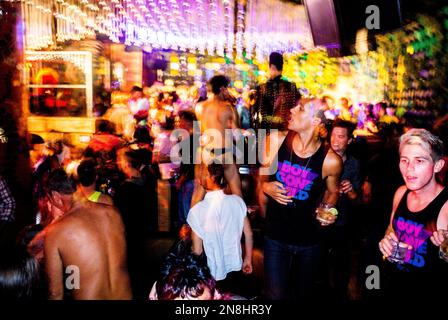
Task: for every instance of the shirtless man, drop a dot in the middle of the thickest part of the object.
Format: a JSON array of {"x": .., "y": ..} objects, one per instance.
[
  {"x": 217, "y": 115},
  {"x": 89, "y": 237}
]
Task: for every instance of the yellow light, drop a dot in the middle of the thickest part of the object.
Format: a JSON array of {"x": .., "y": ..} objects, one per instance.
[
  {"x": 119, "y": 70},
  {"x": 169, "y": 82},
  {"x": 84, "y": 139},
  {"x": 238, "y": 84},
  {"x": 174, "y": 66},
  {"x": 242, "y": 67}
]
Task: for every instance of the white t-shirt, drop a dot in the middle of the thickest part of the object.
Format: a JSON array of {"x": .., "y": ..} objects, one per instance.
[{"x": 218, "y": 220}]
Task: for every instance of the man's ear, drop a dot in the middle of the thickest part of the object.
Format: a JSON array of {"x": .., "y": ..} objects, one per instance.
[
  {"x": 56, "y": 198},
  {"x": 316, "y": 121},
  {"x": 439, "y": 165}
]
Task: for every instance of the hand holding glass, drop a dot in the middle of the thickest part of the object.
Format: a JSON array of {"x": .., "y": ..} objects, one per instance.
[
  {"x": 443, "y": 251},
  {"x": 326, "y": 213}
]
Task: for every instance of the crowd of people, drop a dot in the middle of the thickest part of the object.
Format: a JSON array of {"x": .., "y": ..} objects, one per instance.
[{"x": 97, "y": 207}]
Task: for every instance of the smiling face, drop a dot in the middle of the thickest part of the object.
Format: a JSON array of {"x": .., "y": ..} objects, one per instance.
[
  {"x": 417, "y": 167},
  {"x": 339, "y": 140}
]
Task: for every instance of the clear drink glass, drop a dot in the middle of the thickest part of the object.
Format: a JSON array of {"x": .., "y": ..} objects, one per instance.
[
  {"x": 325, "y": 212},
  {"x": 443, "y": 251},
  {"x": 399, "y": 251}
]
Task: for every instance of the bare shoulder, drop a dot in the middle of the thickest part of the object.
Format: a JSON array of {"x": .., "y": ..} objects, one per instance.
[
  {"x": 100, "y": 211},
  {"x": 399, "y": 193},
  {"x": 398, "y": 196},
  {"x": 333, "y": 163},
  {"x": 56, "y": 232},
  {"x": 203, "y": 105},
  {"x": 106, "y": 199},
  {"x": 225, "y": 108}
]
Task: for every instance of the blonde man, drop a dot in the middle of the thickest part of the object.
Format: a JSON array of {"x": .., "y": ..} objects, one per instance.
[{"x": 419, "y": 216}]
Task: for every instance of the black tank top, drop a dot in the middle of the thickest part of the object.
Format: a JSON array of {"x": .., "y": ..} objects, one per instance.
[
  {"x": 296, "y": 223},
  {"x": 416, "y": 228}
]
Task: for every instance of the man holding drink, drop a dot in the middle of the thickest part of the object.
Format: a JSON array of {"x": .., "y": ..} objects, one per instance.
[
  {"x": 302, "y": 168},
  {"x": 419, "y": 220}
]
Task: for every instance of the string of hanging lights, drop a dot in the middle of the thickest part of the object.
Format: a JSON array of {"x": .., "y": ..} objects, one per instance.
[{"x": 215, "y": 26}]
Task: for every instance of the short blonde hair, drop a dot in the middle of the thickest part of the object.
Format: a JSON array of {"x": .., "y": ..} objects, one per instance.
[{"x": 426, "y": 140}]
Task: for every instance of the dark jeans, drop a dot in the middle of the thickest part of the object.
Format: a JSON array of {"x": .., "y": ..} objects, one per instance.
[
  {"x": 290, "y": 270},
  {"x": 336, "y": 261}
]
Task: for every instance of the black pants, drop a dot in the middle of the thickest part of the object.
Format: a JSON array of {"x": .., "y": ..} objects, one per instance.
[{"x": 336, "y": 261}]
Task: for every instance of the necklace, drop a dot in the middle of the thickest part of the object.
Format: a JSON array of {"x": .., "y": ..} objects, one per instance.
[
  {"x": 308, "y": 161},
  {"x": 292, "y": 204}
]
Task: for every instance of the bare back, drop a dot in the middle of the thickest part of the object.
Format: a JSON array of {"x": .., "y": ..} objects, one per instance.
[
  {"x": 91, "y": 237},
  {"x": 216, "y": 117}
]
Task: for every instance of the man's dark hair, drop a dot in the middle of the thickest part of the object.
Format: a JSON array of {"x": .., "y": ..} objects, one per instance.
[
  {"x": 105, "y": 126},
  {"x": 174, "y": 96},
  {"x": 36, "y": 139},
  {"x": 350, "y": 126},
  {"x": 141, "y": 134},
  {"x": 216, "y": 171},
  {"x": 138, "y": 157},
  {"x": 87, "y": 172},
  {"x": 187, "y": 116},
  {"x": 136, "y": 89},
  {"x": 168, "y": 124},
  {"x": 218, "y": 82},
  {"x": 59, "y": 181},
  {"x": 19, "y": 275},
  {"x": 184, "y": 275},
  {"x": 276, "y": 59}
]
